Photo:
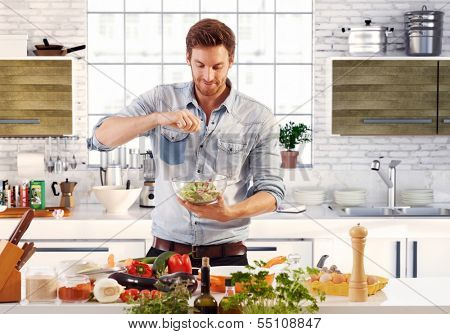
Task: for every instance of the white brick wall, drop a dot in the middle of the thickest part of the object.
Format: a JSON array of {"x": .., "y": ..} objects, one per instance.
[{"x": 424, "y": 158}]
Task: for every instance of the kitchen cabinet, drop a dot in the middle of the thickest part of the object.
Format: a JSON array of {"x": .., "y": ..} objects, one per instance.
[
  {"x": 266, "y": 249},
  {"x": 50, "y": 252},
  {"x": 444, "y": 98},
  {"x": 35, "y": 96},
  {"x": 428, "y": 257},
  {"x": 383, "y": 256},
  {"x": 386, "y": 97}
]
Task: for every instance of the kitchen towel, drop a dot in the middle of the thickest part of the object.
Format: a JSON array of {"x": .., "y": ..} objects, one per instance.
[{"x": 30, "y": 165}]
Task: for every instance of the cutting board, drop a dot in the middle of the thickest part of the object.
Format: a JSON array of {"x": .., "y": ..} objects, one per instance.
[{"x": 18, "y": 212}]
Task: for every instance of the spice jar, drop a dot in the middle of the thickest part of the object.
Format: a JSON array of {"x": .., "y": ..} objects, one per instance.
[
  {"x": 74, "y": 288},
  {"x": 41, "y": 284}
]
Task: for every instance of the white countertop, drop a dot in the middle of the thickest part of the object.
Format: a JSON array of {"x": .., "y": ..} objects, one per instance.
[
  {"x": 90, "y": 221},
  {"x": 409, "y": 295}
]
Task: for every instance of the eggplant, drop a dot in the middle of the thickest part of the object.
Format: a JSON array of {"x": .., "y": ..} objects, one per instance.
[
  {"x": 134, "y": 282},
  {"x": 168, "y": 282}
]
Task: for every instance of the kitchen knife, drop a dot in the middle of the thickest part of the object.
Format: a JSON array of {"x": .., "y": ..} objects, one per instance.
[
  {"x": 22, "y": 227},
  {"x": 27, "y": 253}
]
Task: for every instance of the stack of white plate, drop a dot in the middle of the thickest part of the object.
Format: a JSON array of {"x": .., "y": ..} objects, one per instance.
[
  {"x": 350, "y": 197},
  {"x": 309, "y": 196},
  {"x": 417, "y": 197}
]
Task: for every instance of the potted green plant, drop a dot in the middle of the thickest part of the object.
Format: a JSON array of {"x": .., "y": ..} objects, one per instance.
[{"x": 292, "y": 134}]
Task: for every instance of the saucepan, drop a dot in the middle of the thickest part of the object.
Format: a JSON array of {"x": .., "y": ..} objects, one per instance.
[{"x": 62, "y": 52}]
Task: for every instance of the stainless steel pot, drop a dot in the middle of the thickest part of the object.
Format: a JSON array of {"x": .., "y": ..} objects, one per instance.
[
  {"x": 423, "y": 32},
  {"x": 423, "y": 46},
  {"x": 368, "y": 39}
]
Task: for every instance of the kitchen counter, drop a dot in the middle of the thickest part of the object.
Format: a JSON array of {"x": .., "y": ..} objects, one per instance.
[
  {"x": 409, "y": 295},
  {"x": 90, "y": 221}
]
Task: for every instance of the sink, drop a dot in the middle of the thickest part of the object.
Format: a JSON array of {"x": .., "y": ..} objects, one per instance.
[
  {"x": 423, "y": 211},
  {"x": 390, "y": 212},
  {"x": 363, "y": 211}
]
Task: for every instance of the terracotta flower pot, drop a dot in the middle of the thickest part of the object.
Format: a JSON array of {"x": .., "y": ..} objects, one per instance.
[{"x": 289, "y": 159}]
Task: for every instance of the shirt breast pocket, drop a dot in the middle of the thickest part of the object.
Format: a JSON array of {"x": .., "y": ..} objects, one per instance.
[
  {"x": 230, "y": 158},
  {"x": 172, "y": 146}
]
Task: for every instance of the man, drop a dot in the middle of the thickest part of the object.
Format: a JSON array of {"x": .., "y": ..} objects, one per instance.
[{"x": 204, "y": 127}]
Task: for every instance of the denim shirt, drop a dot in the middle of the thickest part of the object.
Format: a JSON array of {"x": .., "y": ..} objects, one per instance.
[{"x": 240, "y": 141}]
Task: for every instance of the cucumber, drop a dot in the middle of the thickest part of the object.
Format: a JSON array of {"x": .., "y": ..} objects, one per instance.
[{"x": 160, "y": 264}]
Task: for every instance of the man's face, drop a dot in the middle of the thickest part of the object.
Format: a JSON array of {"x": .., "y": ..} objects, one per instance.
[{"x": 209, "y": 66}]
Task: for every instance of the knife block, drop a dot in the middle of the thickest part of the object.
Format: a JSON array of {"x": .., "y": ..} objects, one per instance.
[{"x": 10, "y": 278}]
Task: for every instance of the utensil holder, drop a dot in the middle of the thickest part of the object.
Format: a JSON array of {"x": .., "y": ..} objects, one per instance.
[{"x": 10, "y": 277}]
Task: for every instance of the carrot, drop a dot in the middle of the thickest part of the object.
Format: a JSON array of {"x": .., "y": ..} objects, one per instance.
[{"x": 274, "y": 261}]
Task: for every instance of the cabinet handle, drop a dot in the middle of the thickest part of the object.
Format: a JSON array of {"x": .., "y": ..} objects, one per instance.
[
  {"x": 20, "y": 121},
  {"x": 414, "y": 259},
  {"x": 72, "y": 249},
  {"x": 397, "y": 259},
  {"x": 446, "y": 121},
  {"x": 397, "y": 121},
  {"x": 261, "y": 249}
]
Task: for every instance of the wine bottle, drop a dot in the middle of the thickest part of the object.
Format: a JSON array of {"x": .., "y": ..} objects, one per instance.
[
  {"x": 205, "y": 303},
  {"x": 225, "y": 306}
]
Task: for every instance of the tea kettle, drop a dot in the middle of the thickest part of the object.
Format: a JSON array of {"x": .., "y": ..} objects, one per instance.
[{"x": 67, "y": 199}]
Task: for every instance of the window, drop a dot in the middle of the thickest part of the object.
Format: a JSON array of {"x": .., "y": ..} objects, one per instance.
[{"x": 135, "y": 45}]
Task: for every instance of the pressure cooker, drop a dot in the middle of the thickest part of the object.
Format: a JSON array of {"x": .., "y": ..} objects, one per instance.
[{"x": 368, "y": 39}]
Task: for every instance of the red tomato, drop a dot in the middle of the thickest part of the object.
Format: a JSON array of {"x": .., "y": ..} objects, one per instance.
[
  {"x": 130, "y": 294},
  {"x": 156, "y": 294},
  {"x": 146, "y": 294}
]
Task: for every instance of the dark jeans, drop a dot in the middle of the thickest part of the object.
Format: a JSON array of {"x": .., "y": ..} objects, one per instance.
[{"x": 239, "y": 260}]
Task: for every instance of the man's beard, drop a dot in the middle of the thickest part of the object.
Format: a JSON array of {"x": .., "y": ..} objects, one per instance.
[{"x": 206, "y": 90}]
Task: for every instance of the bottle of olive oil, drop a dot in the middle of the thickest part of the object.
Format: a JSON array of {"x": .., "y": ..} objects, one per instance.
[
  {"x": 205, "y": 303},
  {"x": 225, "y": 306}
]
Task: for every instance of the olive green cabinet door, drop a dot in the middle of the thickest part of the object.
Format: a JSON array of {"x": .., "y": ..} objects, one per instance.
[
  {"x": 384, "y": 97},
  {"x": 444, "y": 98},
  {"x": 35, "y": 97}
]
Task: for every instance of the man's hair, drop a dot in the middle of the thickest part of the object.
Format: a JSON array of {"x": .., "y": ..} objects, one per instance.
[{"x": 210, "y": 32}]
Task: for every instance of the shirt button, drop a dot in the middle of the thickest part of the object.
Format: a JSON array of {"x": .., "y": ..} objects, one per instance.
[
  {"x": 201, "y": 146},
  {"x": 198, "y": 170}
]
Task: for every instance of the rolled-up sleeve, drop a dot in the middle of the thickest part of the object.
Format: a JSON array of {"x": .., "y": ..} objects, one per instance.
[
  {"x": 140, "y": 106},
  {"x": 265, "y": 162}
]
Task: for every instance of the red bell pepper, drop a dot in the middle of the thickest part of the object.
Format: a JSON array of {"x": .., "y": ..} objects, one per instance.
[
  {"x": 179, "y": 263},
  {"x": 139, "y": 269}
]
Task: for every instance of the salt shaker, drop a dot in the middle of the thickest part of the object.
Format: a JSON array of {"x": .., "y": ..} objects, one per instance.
[{"x": 357, "y": 291}]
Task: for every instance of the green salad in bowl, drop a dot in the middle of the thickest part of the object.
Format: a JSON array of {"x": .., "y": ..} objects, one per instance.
[{"x": 200, "y": 189}]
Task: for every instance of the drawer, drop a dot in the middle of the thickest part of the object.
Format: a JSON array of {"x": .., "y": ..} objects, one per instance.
[
  {"x": 49, "y": 253},
  {"x": 265, "y": 249}
]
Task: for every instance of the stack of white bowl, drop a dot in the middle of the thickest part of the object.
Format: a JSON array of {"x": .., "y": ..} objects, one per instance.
[
  {"x": 417, "y": 197},
  {"x": 309, "y": 196},
  {"x": 350, "y": 197}
]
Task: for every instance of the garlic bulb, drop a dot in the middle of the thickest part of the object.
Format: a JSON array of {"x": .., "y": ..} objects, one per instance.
[{"x": 107, "y": 290}]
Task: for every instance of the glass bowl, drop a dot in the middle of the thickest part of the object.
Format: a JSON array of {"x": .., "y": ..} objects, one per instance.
[{"x": 199, "y": 189}]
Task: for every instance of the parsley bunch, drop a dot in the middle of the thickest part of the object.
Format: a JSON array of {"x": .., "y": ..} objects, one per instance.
[
  {"x": 173, "y": 302},
  {"x": 289, "y": 296}
]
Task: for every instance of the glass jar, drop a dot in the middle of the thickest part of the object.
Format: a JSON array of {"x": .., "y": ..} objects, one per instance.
[
  {"x": 41, "y": 284},
  {"x": 74, "y": 288}
]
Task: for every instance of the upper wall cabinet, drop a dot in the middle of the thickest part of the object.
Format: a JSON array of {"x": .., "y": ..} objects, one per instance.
[
  {"x": 444, "y": 98},
  {"x": 387, "y": 97},
  {"x": 35, "y": 97}
]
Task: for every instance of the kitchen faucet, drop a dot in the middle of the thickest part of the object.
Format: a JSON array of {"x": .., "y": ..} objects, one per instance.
[{"x": 390, "y": 180}]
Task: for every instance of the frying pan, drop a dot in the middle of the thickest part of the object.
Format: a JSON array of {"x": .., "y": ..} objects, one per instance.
[
  {"x": 47, "y": 46},
  {"x": 61, "y": 52}
]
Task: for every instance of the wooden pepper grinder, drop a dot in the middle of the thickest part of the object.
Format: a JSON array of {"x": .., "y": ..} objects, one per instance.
[{"x": 357, "y": 291}]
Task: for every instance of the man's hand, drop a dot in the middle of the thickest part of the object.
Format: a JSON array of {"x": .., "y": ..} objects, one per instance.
[
  {"x": 219, "y": 211},
  {"x": 181, "y": 119}
]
